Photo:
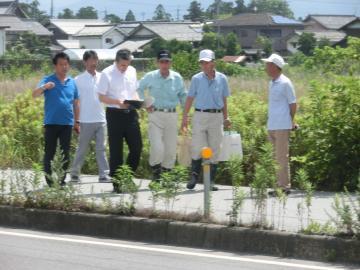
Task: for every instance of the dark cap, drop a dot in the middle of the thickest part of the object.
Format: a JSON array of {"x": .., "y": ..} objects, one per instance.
[{"x": 164, "y": 55}]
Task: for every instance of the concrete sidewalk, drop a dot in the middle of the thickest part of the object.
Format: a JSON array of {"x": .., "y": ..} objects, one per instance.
[{"x": 189, "y": 201}]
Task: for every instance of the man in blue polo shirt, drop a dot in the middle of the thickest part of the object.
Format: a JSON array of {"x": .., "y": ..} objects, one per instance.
[
  {"x": 167, "y": 88},
  {"x": 281, "y": 114},
  {"x": 209, "y": 91},
  {"x": 61, "y": 105}
]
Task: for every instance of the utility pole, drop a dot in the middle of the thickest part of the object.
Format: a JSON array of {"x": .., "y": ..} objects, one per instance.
[
  {"x": 218, "y": 25},
  {"x": 52, "y": 9},
  {"x": 178, "y": 14}
]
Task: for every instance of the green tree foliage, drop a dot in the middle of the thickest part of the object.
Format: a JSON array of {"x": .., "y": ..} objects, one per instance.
[
  {"x": 337, "y": 60},
  {"x": 323, "y": 42},
  {"x": 232, "y": 44},
  {"x": 28, "y": 46},
  {"x": 130, "y": 17},
  {"x": 66, "y": 14},
  {"x": 278, "y": 7},
  {"x": 113, "y": 18},
  {"x": 173, "y": 45},
  {"x": 327, "y": 144},
  {"x": 219, "y": 7},
  {"x": 160, "y": 14},
  {"x": 240, "y": 7},
  {"x": 265, "y": 44},
  {"x": 307, "y": 43},
  {"x": 195, "y": 12},
  {"x": 33, "y": 11},
  {"x": 87, "y": 13}
]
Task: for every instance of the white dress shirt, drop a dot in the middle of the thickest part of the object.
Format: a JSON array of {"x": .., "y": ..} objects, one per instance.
[
  {"x": 91, "y": 109},
  {"x": 118, "y": 85}
]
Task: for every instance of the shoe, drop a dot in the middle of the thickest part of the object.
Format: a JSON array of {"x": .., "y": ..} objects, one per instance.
[
  {"x": 273, "y": 193},
  {"x": 75, "y": 179},
  {"x": 213, "y": 169},
  {"x": 156, "y": 171},
  {"x": 195, "y": 171},
  {"x": 213, "y": 188},
  {"x": 104, "y": 179}
]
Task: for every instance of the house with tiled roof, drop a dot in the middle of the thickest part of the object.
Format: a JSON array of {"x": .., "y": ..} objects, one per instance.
[
  {"x": 12, "y": 7},
  {"x": 249, "y": 26}
]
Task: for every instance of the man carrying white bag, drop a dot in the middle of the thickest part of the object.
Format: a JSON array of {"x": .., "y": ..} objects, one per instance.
[{"x": 230, "y": 146}]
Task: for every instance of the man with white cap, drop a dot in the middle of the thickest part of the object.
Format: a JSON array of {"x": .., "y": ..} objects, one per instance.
[
  {"x": 167, "y": 89},
  {"x": 209, "y": 90},
  {"x": 281, "y": 113}
]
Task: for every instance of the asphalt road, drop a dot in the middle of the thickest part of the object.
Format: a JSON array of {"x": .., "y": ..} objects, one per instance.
[{"x": 33, "y": 250}]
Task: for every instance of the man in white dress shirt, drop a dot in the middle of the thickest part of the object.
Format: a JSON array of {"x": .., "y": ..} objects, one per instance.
[
  {"x": 92, "y": 119},
  {"x": 118, "y": 83}
]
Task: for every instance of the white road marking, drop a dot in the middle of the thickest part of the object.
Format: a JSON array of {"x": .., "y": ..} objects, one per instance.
[{"x": 169, "y": 251}]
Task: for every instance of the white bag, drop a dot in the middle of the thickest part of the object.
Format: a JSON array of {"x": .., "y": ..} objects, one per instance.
[
  {"x": 230, "y": 146},
  {"x": 184, "y": 150}
]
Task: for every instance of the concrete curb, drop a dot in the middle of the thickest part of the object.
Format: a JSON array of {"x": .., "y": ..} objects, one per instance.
[{"x": 199, "y": 235}]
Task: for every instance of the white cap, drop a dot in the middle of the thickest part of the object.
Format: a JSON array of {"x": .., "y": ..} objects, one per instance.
[
  {"x": 206, "y": 55},
  {"x": 275, "y": 59}
]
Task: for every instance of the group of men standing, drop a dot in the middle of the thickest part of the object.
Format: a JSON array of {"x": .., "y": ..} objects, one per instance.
[{"x": 77, "y": 104}]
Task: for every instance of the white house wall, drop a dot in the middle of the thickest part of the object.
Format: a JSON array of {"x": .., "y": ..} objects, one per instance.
[
  {"x": 90, "y": 42},
  {"x": 115, "y": 37}
]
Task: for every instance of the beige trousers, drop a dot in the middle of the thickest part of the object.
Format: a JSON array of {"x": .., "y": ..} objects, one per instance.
[
  {"x": 207, "y": 130},
  {"x": 280, "y": 141},
  {"x": 163, "y": 133}
]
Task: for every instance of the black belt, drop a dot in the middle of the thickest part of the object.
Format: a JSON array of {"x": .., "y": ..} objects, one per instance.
[
  {"x": 209, "y": 110},
  {"x": 165, "y": 110},
  {"x": 119, "y": 110}
]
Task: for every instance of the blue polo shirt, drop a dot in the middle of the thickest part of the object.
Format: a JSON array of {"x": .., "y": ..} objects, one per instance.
[
  {"x": 167, "y": 92},
  {"x": 209, "y": 94},
  {"x": 59, "y": 101}
]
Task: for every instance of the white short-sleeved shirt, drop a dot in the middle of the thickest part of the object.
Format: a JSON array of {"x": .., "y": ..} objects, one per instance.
[
  {"x": 118, "y": 85},
  {"x": 281, "y": 95},
  {"x": 91, "y": 109}
]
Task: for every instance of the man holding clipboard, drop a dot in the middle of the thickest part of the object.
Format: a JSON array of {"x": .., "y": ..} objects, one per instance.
[{"x": 118, "y": 84}]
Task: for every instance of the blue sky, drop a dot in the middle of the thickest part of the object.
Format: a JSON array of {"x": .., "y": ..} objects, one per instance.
[{"x": 144, "y": 9}]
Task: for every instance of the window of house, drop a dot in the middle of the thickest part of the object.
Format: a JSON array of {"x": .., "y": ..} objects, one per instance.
[
  {"x": 109, "y": 41},
  {"x": 244, "y": 33},
  {"x": 270, "y": 33}
]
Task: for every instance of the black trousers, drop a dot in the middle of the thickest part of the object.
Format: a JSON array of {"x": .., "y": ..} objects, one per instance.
[
  {"x": 53, "y": 134},
  {"x": 123, "y": 124}
]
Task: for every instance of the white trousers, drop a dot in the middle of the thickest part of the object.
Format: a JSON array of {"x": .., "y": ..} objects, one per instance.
[
  {"x": 207, "y": 130},
  {"x": 163, "y": 134}
]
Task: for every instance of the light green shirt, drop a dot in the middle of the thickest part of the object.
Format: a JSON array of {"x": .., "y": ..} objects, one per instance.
[{"x": 167, "y": 92}]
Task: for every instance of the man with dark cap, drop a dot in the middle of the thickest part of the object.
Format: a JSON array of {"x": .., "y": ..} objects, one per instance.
[{"x": 166, "y": 88}]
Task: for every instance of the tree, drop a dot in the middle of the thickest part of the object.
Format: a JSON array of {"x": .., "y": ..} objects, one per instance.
[
  {"x": 195, "y": 12},
  {"x": 31, "y": 44},
  {"x": 240, "y": 7},
  {"x": 265, "y": 44},
  {"x": 33, "y": 11},
  {"x": 130, "y": 17},
  {"x": 307, "y": 43},
  {"x": 113, "y": 18},
  {"x": 87, "y": 13},
  {"x": 66, "y": 14},
  {"x": 278, "y": 7},
  {"x": 160, "y": 14},
  {"x": 232, "y": 44},
  {"x": 219, "y": 7},
  {"x": 323, "y": 42}
]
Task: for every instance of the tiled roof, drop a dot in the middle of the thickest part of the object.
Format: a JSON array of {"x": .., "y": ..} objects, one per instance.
[
  {"x": 332, "y": 22},
  {"x": 73, "y": 26},
  {"x": 23, "y": 25},
  {"x": 172, "y": 30},
  {"x": 132, "y": 45},
  {"x": 257, "y": 19}
]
